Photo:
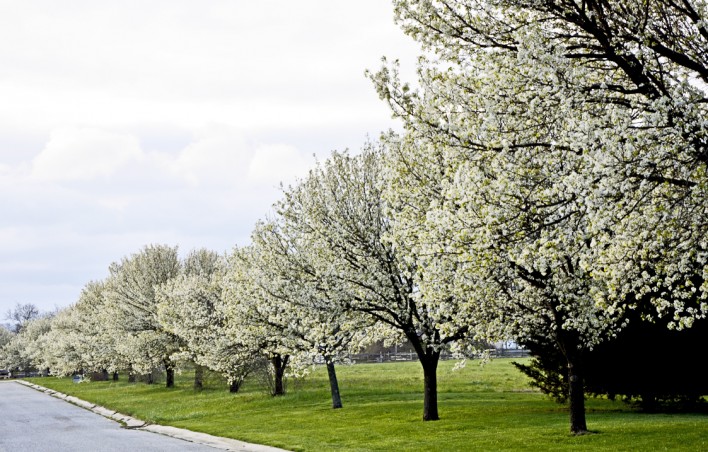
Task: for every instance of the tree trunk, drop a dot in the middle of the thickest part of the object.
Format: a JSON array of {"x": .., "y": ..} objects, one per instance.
[
  {"x": 430, "y": 387},
  {"x": 131, "y": 375},
  {"x": 570, "y": 344},
  {"x": 576, "y": 396},
  {"x": 428, "y": 358},
  {"x": 198, "y": 377},
  {"x": 235, "y": 385},
  {"x": 279, "y": 364},
  {"x": 649, "y": 402},
  {"x": 115, "y": 376},
  {"x": 169, "y": 376},
  {"x": 333, "y": 384}
]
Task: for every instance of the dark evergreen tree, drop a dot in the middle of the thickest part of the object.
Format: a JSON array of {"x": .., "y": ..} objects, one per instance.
[{"x": 647, "y": 363}]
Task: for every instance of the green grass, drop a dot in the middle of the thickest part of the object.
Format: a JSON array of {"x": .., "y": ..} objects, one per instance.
[{"x": 488, "y": 408}]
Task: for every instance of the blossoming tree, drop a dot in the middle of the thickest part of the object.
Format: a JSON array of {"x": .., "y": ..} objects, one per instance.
[
  {"x": 191, "y": 306},
  {"x": 572, "y": 147},
  {"x": 340, "y": 219},
  {"x": 276, "y": 272},
  {"x": 131, "y": 309}
]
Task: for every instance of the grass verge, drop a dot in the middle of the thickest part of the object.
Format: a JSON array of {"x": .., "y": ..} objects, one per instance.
[{"x": 489, "y": 408}]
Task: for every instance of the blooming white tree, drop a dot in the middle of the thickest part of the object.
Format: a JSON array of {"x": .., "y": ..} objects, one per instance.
[
  {"x": 96, "y": 342},
  {"x": 255, "y": 321},
  {"x": 59, "y": 347},
  {"x": 340, "y": 219},
  {"x": 5, "y": 336},
  {"x": 571, "y": 140},
  {"x": 496, "y": 242},
  {"x": 131, "y": 309},
  {"x": 24, "y": 351},
  {"x": 78, "y": 340},
  {"x": 191, "y": 306},
  {"x": 275, "y": 271}
]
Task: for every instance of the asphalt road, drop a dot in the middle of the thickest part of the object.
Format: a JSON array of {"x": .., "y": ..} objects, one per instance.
[{"x": 31, "y": 421}]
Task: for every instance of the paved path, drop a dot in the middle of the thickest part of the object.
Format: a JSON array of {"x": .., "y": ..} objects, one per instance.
[{"x": 33, "y": 421}]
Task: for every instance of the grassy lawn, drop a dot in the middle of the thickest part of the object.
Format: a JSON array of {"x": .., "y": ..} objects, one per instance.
[{"x": 488, "y": 408}]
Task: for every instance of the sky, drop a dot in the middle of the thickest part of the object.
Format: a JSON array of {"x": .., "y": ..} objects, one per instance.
[{"x": 174, "y": 122}]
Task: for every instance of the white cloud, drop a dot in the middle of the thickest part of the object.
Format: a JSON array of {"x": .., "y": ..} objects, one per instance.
[
  {"x": 219, "y": 156},
  {"x": 276, "y": 163},
  {"x": 80, "y": 154},
  {"x": 246, "y": 63}
]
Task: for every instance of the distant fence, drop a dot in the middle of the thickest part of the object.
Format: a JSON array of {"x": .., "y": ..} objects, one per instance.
[
  {"x": 411, "y": 356},
  {"x": 22, "y": 373}
]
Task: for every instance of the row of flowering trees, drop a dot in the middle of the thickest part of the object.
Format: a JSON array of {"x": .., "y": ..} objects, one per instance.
[
  {"x": 320, "y": 278},
  {"x": 550, "y": 178},
  {"x": 157, "y": 312}
]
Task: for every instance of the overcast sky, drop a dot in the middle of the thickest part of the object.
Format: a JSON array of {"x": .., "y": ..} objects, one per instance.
[{"x": 135, "y": 122}]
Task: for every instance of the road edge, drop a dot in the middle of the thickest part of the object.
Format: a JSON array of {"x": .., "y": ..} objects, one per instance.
[{"x": 130, "y": 422}]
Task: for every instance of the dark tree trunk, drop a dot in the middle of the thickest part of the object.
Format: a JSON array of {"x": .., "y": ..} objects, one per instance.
[
  {"x": 169, "y": 376},
  {"x": 104, "y": 374},
  {"x": 198, "y": 377},
  {"x": 576, "y": 394},
  {"x": 430, "y": 376},
  {"x": 235, "y": 385},
  {"x": 150, "y": 378},
  {"x": 279, "y": 364},
  {"x": 333, "y": 384},
  {"x": 570, "y": 344},
  {"x": 115, "y": 376},
  {"x": 428, "y": 358},
  {"x": 131, "y": 375}
]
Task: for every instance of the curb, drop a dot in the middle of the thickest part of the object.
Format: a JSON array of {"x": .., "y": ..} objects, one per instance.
[{"x": 216, "y": 442}]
